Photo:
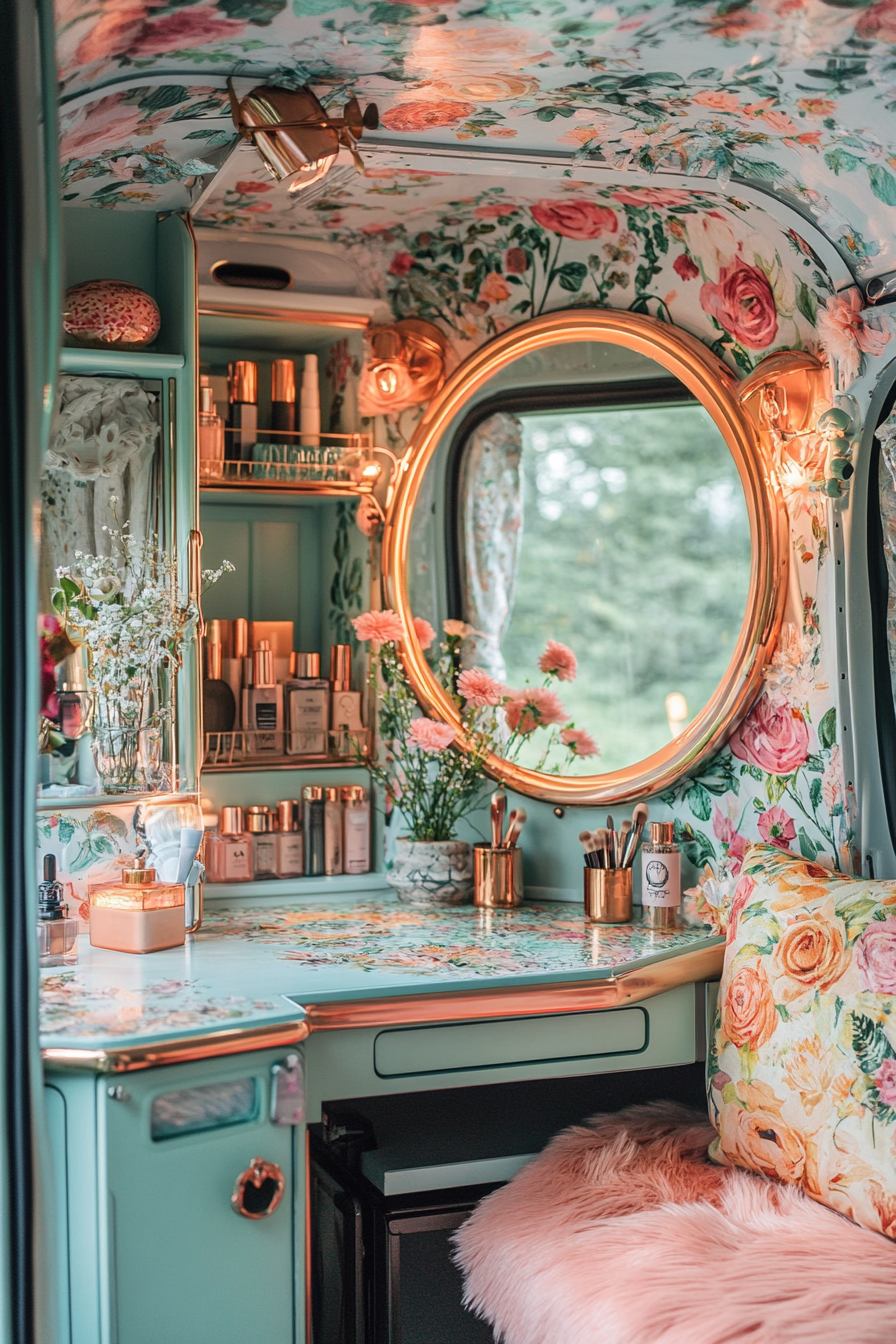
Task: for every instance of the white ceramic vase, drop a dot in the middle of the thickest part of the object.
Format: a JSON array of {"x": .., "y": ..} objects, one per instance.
[{"x": 432, "y": 872}]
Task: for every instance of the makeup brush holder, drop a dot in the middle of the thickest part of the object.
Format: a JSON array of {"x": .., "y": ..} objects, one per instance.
[
  {"x": 608, "y": 895},
  {"x": 497, "y": 877}
]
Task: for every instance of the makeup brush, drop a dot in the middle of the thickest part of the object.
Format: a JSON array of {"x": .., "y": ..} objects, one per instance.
[
  {"x": 499, "y": 803},
  {"x": 639, "y": 820},
  {"x": 517, "y": 822},
  {"x": 623, "y": 841},
  {"x": 588, "y": 839},
  {"x": 611, "y": 843},
  {"x": 603, "y": 847}
]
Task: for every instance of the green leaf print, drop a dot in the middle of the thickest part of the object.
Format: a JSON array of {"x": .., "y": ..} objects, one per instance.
[
  {"x": 258, "y": 12},
  {"x": 883, "y": 184},
  {"x": 65, "y": 830},
  {"x": 808, "y": 847},
  {"x": 870, "y": 1043},
  {"x": 841, "y": 162},
  {"x": 572, "y": 275},
  {"x": 699, "y": 801},
  {"x": 815, "y": 792},
  {"x": 827, "y": 728},
  {"x": 807, "y": 302}
]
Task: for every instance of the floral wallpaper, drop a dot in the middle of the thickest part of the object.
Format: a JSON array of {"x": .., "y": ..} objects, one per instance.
[{"x": 793, "y": 95}]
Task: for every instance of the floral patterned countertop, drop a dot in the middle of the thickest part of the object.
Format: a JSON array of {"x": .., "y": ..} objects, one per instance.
[{"x": 252, "y": 964}]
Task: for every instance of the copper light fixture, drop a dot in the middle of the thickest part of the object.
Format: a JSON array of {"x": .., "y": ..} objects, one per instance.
[
  {"x": 297, "y": 140},
  {"x": 405, "y": 366}
]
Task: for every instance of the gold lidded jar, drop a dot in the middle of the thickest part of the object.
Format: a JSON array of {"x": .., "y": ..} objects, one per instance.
[{"x": 137, "y": 913}]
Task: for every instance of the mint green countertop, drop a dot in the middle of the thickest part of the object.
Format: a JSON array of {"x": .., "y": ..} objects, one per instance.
[{"x": 258, "y": 963}]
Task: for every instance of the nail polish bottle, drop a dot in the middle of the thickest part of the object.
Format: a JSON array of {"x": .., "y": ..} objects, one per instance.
[
  {"x": 313, "y": 827},
  {"x": 289, "y": 840},
  {"x": 332, "y": 832},
  {"x": 57, "y": 935}
]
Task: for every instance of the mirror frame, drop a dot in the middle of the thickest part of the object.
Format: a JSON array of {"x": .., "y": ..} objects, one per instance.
[{"x": 715, "y": 387}]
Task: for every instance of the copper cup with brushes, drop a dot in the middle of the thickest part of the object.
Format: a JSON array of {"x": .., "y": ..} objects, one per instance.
[
  {"x": 609, "y": 856},
  {"x": 498, "y": 867}
]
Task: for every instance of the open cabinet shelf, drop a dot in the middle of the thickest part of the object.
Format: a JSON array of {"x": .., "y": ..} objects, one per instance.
[{"x": 133, "y": 363}]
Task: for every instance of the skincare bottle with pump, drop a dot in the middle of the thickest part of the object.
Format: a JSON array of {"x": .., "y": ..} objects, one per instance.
[
  {"x": 283, "y": 396},
  {"x": 57, "y": 935},
  {"x": 211, "y": 426},
  {"x": 307, "y": 699},
  {"x": 243, "y": 383},
  {"x": 313, "y": 827},
  {"x": 660, "y": 877},
  {"x": 345, "y": 704},
  {"x": 332, "y": 832},
  {"x": 263, "y": 706},
  {"x": 356, "y": 829},
  {"x": 289, "y": 840}
]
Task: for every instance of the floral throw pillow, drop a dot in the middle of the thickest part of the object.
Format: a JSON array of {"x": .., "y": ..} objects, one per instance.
[{"x": 802, "y": 1069}]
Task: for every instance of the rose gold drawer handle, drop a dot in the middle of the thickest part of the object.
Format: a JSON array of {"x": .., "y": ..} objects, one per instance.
[{"x": 258, "y": 1190}]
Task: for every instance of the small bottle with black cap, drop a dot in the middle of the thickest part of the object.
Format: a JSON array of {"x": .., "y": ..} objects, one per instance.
[{"x": 57, "y": 935}]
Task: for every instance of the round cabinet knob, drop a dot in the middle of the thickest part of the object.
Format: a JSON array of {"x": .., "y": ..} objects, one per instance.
[{"x": 258, "y": 1190}]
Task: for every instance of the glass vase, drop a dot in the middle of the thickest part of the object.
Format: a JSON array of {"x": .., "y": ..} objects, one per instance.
[{"x": 129, "y": 758}]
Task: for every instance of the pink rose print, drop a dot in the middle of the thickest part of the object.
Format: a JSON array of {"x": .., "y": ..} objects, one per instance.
[
  {"x": 422, "y": 116},
  {"x": 495, "y": 211},
  {"x": 886, "y": 1082},
  {"x": 846, "y": 335},
  {"x": 246, "y": 188},
  {"x": 875, "y": 954},
  {"x": 743, "y": 305},
  {"x": 684, "y": 267},
  {"x": 575, "y": 219},
  {"x": 773, "y": 737},
  {"x": 494, "y": 289},
  {"x": 185, "y": 28},
  {"x": 777, "y": 827},
  {"x": 401, "y": 263},
  {"x": 639, "y": 196},
  {"x": 734, "y": 843}
]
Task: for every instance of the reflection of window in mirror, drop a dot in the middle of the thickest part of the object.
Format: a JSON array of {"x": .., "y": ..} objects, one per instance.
[{"x": 620, "y": 529}]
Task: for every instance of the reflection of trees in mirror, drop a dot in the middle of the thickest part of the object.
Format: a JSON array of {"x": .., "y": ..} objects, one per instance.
[{"x": 636, "y": 553}]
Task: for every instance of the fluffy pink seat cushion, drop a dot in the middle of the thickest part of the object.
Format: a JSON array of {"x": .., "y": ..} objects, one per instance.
[{"x": 622, "y": 1232}]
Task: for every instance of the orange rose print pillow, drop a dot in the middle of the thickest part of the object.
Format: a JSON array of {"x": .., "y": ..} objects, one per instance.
[{"x": 802, "y": 1068}]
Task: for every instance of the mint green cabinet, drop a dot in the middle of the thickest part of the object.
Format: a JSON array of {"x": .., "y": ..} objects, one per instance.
[{"x": 146, "y": 1172}]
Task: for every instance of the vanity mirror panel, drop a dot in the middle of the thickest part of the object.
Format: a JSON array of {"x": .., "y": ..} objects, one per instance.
[{"x": 590, "y": 478}]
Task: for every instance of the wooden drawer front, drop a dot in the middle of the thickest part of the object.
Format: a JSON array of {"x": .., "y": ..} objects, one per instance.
[{"x": 467, "y": 1046}]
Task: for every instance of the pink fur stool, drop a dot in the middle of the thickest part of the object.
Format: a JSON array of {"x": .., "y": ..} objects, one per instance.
[{"x": 623, "y": 1232}]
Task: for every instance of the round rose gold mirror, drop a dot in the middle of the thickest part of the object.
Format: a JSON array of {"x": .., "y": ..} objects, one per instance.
[{"x": 590, "y": 478}]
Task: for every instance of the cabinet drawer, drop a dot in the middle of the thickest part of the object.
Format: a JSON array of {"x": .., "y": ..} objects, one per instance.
[{"x": 466, "y": 1046}]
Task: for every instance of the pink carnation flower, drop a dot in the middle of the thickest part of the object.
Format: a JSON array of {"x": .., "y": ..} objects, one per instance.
[
  {"x": 579, "y": 742},
  {"x": 534, "y": 707},
  {"x": 457, "y": 629},
  {"x": 479, "y": 689},
  {"x": 425, "y": 632},
  {"x": 886, "y": 1082},
  {"x": 431, "y": 735},
  {"x": 559, "y": 660},
  {"x": 382, "y": 627}
]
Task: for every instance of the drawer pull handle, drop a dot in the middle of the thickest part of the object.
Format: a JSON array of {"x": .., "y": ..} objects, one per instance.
[{"x": 258, "y": 1190}]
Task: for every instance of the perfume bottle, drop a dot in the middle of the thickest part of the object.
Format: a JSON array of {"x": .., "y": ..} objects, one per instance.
[
  {"x": 57, "y": 935},
  {"x": 228, "y": 852},
  {"x": 283, "y": 396},
  {"x": 313, "y": 827},
  {"x": 243, "y": 383},
  {"x": 332, "y": 832},
  {"x": 307, "y": 698},
  {"x": 137, "y": 914},
  {"x": 260, "y": 825},
  {"x": 263, "y": 706},
  {"x": 345, "y": 704},
  {"x": 660, "y": 877},
  {"x": 289, "y": 841},
  {"x": 211, "y": 425},
  {"x": 356, "y": 829}
]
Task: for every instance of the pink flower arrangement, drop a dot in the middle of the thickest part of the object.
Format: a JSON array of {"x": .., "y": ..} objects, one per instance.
[
  {"x": 776, "y": 827},
  {"x": 559, "y": 661},
  {"x": 580, "y": 742},
  {"x": 885, "y": 1078},
  {"x": 773, "y": 737},
  {"x": 431, "y": 734},
  {"x": 424, "y": 632},
  {"x": 479, "y": 689},
  {"x": 533, "y": 707},
  {"x": 875, "y": 954},
  {"x": 743, "y": 305},
  {"x": 380, "y": 627},
  {"x": 846, "y": 336}
]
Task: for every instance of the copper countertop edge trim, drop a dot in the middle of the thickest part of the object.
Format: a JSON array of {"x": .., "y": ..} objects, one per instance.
[
  {"x": 629, "y": 987},
  {"x": 127, "y": 1059}
]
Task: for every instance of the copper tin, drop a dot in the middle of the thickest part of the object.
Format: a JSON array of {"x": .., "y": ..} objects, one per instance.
[
  {"x": 608, "y": 895},
  {"x": 497, "y": 877}
]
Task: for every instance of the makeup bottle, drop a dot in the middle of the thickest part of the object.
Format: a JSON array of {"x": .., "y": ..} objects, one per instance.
[
  {"x": 289, "y": 840},
  {"x": 283, "y": 396},
  {"x": 660, "y": 877},
  {"x": 356, "y": 829},
  {"x": 307, "y": 698},
  {"x": 211, "y": 426},
  {"x": 243, "y": 383},
  {"x": 309, "y": 406},
  {"x": 57, "y": 935},
  {"x": 218, "y": 704},
  {"x": 137, "y": 913},
  {"x": 332, "y": 832},
  {"x": 73, "y": 697},
  {"x": 260, "y": 825},
  {"x": 345, "y": 704},
  {"x": 313, "y": 828},
  {"x": 263, "y": 706},
  {"x": 228, "y": 851}
]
